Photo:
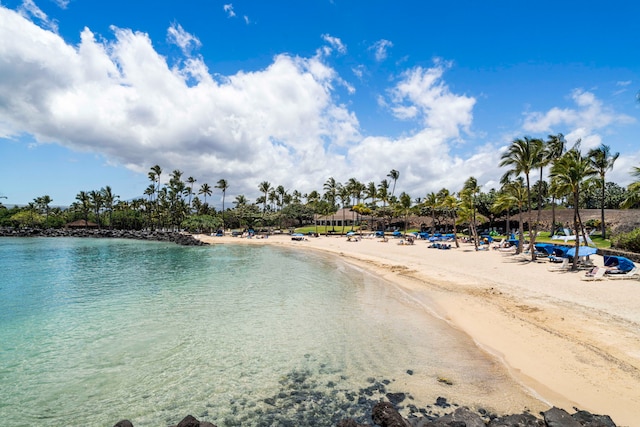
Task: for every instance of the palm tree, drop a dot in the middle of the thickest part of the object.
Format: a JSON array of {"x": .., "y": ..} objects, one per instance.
[
  {"x": 109, "y": 200},
  {"x": 205, "y": 190},
  {"x": 85, "y": 205},
  {"x": 554, "y": 149},
  {"x": 264, "y": 188},
  {"x": 394, "y": 175},
  {"x": 633, "y": 191},
  {"x": 331, "y": 187},
  {"x": 513, "y": 194},
  {"x": 602, "y": 160},
  {"x": 570, "y": 171},
  {"x": 222, "y": 185},
  {"x": 43, "y": 203},
  {"x": 344, "y": 194},
  {"x": 522, "y": 156},
  {"x": 404, "y": 206},
  {"x": 468, "y": 195},
  {"x": 450, "y": 203},
  {"x": 191, "y": 181},
  {"x": 431, "y": 202},
  {"x": 97, "y": 202}
]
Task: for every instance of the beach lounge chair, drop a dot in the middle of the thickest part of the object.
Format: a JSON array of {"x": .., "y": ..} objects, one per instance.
[
  {"x": 597, "y": 273},
  {"x": 633, "y": 274},
  {"x": 564, "y": 265}
]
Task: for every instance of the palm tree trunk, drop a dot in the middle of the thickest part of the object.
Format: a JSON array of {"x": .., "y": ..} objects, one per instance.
[{"x": 602, "y": 224}]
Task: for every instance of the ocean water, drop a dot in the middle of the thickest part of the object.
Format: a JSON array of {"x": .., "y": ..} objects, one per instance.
[{"x": 93, "y": 331}]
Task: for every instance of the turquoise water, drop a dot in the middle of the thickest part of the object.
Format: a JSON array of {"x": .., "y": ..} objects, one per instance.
[{"x": 96, "y": 330}]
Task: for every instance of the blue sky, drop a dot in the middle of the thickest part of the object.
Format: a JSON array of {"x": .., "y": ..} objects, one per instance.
[{"x": 95, "y": 93}]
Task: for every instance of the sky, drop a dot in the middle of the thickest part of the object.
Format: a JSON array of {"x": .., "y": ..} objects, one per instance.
[{"x": 95, "y": 93}]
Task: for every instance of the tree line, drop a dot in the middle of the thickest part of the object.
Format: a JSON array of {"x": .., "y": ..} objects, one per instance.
[{"x": 573, "y": 180}]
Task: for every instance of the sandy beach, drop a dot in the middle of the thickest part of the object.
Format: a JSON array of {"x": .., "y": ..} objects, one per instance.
[{"x": 573, "y": 343}]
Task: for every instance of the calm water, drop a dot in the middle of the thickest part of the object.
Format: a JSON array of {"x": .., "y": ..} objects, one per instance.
[{"x": 93, "y": 331}]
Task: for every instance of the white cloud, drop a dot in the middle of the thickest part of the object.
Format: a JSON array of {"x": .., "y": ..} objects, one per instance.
[
  {"x": 283, "y": 123},
  {"x": 423, "y": 95},
  {"x": 380, "y": 49},
  {"x": 335, "y": 43},
  {"x": 228, "y": 8},
  {"x": 29, "y": 9},
  {"x": 185, "y": 41},
  {"x": 587, "y": 120}
]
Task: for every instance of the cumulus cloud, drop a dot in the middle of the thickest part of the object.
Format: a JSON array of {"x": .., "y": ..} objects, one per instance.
[
  {"x": 283, "y": 123},
  {"x": 587, "y": 120},
  {"x": 422, "y": 95},
  {"x": 380, "y": 49}
]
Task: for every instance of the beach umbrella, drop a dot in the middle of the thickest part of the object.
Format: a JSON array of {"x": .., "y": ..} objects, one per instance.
[{"x": 582, "y": 251}]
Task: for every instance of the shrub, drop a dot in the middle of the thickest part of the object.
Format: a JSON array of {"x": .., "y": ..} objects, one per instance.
[{"x": 627, "y": 241}]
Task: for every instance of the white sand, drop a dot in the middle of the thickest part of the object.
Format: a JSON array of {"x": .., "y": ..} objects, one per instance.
[{"x": 574, "y": 343}]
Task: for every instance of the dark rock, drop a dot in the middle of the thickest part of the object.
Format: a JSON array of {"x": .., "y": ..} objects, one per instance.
[
  {"x": 517, "y": 420},
  {"x": 463, "y": 416},
  {"x": 123, "y": 423},
  {"x": 385, "y": 415},
  {"x": 587, "y": 419},
  {"x": 442, "y": 402},
  {"x": 556, "y": 417},
  {"x": 350, "y": 423},
  {"x": 189, "y": 421},
  {"x": 396, "y": 398}
]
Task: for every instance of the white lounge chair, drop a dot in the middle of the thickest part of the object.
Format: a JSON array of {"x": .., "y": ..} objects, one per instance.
[
  {"x": 633, "y": 274},
  {"x": 562, "y": 266},
  {"x": 598, "y": 274}
]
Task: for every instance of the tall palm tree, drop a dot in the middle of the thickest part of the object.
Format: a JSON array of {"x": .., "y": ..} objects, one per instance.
[
  {"x": 43, "y": 203},
  {"x": 450, "y": 204},
  {"x": 191, "y": 181},
  {"x": 223, "y": 185},
  {"x": 404, "y": 207},
  {"x": 85, "y": 205},
  {"x": 97, "y": 202},
  {"x": 394, "y": 175},
  {"x": 205, "y": 190},
  {"x": 330, "y": 188},
  {"x": 570, "y": 171},
  {"x": 264, "y": 188},
  {"x": 523, "y": 156},
  {"x": 431, "y": 202},
  {"x": 633, "y": 191},
  {"x": 109, "y": 200},
  {"x": 554, "y": 149},
  {"x": 468, "y": 194},
  {"x": 344, "y": 193},
  {"x": 513, "y": 194},
  {"x": 602, "y": 160}
]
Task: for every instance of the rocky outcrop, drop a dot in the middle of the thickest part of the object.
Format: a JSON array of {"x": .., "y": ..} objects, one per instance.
[
  {"x": 184, "y": 239},
  {"x": 385, "y": 415}
]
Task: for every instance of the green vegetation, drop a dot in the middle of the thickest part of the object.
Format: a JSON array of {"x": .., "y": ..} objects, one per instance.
[{"x": 575, "y": 181}]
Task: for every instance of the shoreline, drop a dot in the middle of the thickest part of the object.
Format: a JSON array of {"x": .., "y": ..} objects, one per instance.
[{"x": 571, "y": 343}]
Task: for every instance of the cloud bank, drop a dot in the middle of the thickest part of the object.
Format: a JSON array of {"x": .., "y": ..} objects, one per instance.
[{"x": 284, "y": 124}]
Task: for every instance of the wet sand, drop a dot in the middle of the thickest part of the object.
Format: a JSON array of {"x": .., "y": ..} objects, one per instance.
[{"x": 573, "y": 343}]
